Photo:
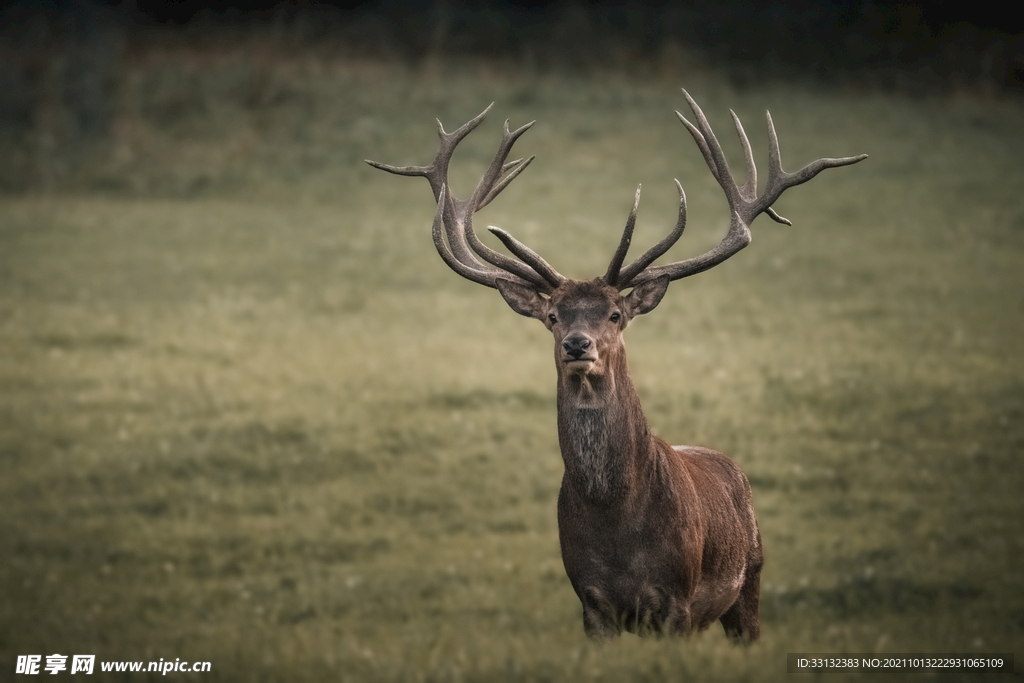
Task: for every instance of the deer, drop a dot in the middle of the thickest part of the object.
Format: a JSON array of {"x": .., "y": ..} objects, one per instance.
[{"x": 655, "y": 539}]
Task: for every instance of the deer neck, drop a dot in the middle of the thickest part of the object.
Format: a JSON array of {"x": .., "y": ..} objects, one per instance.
[{"x": 602, "y": 432}]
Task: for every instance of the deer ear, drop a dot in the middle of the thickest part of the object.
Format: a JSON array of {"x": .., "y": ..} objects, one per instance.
[
  {"x": 646, "y": 296},
  {"x": 524, "y": 300}
]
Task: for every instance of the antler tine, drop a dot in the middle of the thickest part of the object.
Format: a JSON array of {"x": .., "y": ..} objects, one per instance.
[
  {"x": 744, "y": 204},
  {"x": 484, "y": 275},
  {"x": 749, "y": 189},
  {"x": 517, "y": 167},
  {"x": 437, "y": 230},
  {"x": 453, "y": 233},
  {"x": 737, "y": 238},
  {"x": 530, "y": 257},
  {"x": 526, "y": 271},
  {"x": 437, "y": 171},
  {"x": 712, "y": 150},
  {"x": 487, "y": 189},
  {"x": 489, "y": 186},
  {"x": 436, "y": 174},
  {"x": 651, "y": 255},
  {"x": 612, "y": 276},
  {"x": 702, "y": 144},
  {"x": 779, "y": 180}
]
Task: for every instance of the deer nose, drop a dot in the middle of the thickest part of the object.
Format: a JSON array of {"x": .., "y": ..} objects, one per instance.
[{"x": 576, "y": 345}]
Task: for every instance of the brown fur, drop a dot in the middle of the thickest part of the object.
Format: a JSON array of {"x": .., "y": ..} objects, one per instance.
[{"x": 655, "y": 539}]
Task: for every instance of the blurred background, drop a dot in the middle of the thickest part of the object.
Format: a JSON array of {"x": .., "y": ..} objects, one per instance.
[
  {"x": 248, "y": 416},
  {"x": 92, "y": 89}
]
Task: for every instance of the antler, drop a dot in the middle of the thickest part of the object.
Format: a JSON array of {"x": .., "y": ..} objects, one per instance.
[
  {"x": 453, "y": 233},
  {"x": 744, "y": 204}
]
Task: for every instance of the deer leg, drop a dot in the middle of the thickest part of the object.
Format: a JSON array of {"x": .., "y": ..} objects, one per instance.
[
  {"x": 599, "y": 620},
  {"x": 740, "y": 621},
  {"x": 680, "y": 621},
  {"x": 658, "y": 612}
]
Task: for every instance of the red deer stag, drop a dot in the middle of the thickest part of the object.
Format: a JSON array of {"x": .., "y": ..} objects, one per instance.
[{"x": 655, "y": 538}]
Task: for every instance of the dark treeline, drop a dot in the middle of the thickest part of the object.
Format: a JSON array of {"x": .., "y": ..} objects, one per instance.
[
  {"x": 63, "y": 64},
  {"x": 912, "y": 46},
  {"x": 905, "y": 45}
]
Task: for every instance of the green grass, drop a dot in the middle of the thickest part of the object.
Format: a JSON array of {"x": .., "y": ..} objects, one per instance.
[{"x": 248, "y": 416}]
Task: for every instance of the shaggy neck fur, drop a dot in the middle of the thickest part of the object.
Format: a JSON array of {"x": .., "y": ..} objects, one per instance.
[{"x": 601, "y": 430}]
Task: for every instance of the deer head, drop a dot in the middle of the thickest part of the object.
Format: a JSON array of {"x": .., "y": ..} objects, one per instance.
[{"x": 587, "y": 318}]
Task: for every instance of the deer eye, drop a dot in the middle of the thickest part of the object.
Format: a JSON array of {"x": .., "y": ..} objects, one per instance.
[
  {"x": 552, "y": 319},
  {"x": 616, "y": 317}
]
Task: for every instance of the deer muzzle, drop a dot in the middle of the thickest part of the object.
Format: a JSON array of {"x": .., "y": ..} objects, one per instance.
[{"x": 578, "y": 348}]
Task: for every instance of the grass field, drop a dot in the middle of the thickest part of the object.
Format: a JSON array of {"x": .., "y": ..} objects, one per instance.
[{"x": 247, "y": 415}]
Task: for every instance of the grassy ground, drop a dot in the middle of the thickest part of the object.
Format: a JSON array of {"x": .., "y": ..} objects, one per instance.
[{"x": 247, "y": 416}]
